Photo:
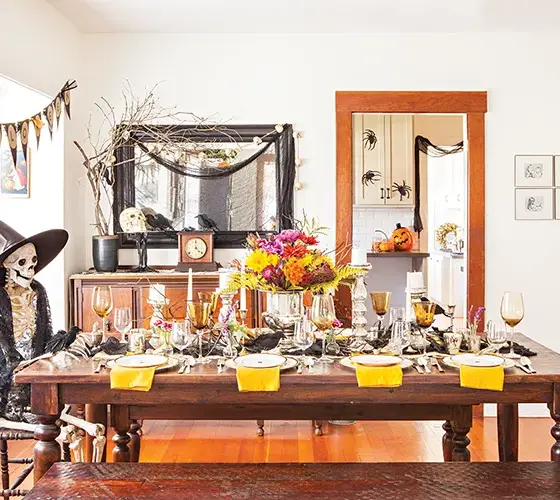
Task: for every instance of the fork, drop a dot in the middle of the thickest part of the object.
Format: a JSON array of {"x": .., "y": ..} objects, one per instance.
[
  {"x": 100, "y": 365},
  {"x": 435, "y": 362},
  {"x": 418, "y": 367}
]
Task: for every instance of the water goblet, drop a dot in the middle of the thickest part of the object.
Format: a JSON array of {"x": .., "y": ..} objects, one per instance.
[
  {"x": 512, "y": 311},
  {"x": 303, "y": 336},
  {"x": 496, "y": 337},
  {"x": 323, "y": 316},
  {"x": 199, "y": 314},
  {"x": 424, "y": 312},
  {"x": 180, "y": 336},
  {"x": 123, "y": 321}
]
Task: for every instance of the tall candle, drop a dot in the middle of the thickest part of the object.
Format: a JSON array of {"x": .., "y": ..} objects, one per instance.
[
  {"x": 243, "y": 295},
  {"x": 157, "y": 293},
  {"x": 224, "y": 281},
  {"x": 359, "y": 257},
  {"x": 189, "y": 287}
]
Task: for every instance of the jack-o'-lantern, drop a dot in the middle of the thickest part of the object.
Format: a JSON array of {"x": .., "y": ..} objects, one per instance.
[{"x": 402, "y": 239}]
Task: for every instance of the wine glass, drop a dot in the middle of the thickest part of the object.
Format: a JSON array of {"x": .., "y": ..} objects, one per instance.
[
  {"x": 494, "y": 336},
  {"x": 303, "y": 336},
  {"x": 212, "y": 298},
  {"x": 180, "y": 336},
  {"x": 323, "y": 316},
  {"x": 199, "y": 314},
  {"x": 396, "y": 314},
  {"x": 102, "y": 304},
  {"x": 380, "y": 302},
  {"x": 512, "y": 313},
  {"x": 123, "y": 321},
  {"x": 424, "y": 312}
]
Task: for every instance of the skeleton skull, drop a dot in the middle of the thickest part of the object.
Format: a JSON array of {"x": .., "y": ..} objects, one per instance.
[
  {"x": 132, "y": 220},
  {"x": 21, "y": 265}
]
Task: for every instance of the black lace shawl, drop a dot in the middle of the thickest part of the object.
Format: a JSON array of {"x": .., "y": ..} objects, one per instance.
[{"x": 9, "y": 356}]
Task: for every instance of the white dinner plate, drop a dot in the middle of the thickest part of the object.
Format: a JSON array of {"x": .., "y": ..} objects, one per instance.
[
  {"x": 141, "y": 360},
  {"x": 288, "y": 364},
  {"x": 171, "y": 363},
  {"x": 448, "y": 361},
  {"x": 260, "y": 360},
  {"x": 483, "y": 360},
  {"x": 349, "y": 363},
  {"x": 376, "y": 360}
]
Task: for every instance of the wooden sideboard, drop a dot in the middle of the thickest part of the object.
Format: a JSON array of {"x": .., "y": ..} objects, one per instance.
[{"x": 132, "y": 289}]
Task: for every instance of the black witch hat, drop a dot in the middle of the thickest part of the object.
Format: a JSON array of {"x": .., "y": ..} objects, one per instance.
[{"x": 48, "y": 244}]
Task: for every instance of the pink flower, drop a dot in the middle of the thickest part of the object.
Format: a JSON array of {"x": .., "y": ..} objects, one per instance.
[
  {"x": 271, "y": 246},
  {"x": 337, "y": 323},
  {"x": 288, "y": 236}
]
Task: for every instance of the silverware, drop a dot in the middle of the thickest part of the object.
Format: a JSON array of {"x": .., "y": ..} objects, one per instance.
[
  {"x": 190, "y": 362},
  {"x": 418, "y": 366},
  {"x": 524, "y": 368},
  {"x": 300, "y": 366},
  {"x": 220, "y": 367},
  {"x": 183, "y": 366},
  {"x": 435, "y": 363},
  {"x": 525, "y": 361},
  {"x": 423, "y": 362},
  {"x": 310, "y": 362},
  {"x": 100, "y": 365}
]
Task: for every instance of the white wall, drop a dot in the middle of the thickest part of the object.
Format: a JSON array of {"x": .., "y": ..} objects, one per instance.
[
  {"x": 41, "y": 49},
  {"x": 263, "y": 79}
]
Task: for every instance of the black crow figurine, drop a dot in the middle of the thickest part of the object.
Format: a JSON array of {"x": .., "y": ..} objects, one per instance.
[
  {"x": 159, "y": 222},
  {"x": 206, "y": 223},
  {"x": 62, "y": 340}
]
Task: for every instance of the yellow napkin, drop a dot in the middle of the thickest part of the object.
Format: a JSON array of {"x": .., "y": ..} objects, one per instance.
[
  {"x": 132, "y": 379},
  {"x": 258, "y": 379},
  {"x": 379, "y": 376},
  {"x": 476, "y": 377}
]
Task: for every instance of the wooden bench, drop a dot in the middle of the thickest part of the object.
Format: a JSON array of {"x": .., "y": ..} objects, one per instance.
[{"x": 406, "y": 481}]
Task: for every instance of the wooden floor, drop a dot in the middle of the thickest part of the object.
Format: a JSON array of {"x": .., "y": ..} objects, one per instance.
[{"x": 223, "y": 441}]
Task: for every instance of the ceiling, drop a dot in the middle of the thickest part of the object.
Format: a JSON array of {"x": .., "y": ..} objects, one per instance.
[{"x": 309, "y": 16}]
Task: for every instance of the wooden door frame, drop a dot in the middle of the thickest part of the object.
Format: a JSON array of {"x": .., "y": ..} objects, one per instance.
[{"x": 474, "y": 106}]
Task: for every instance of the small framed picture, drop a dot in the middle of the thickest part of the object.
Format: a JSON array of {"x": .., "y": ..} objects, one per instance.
[
  {"x": 14, "y": 179},
  {"x": 534, "y": 204},
  {"x": 534, "y": 171}
]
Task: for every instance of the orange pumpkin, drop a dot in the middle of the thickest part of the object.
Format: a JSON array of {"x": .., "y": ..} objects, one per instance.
[
  {"x": 402, "y": 239},
  {"x": 383, "y": 246}
]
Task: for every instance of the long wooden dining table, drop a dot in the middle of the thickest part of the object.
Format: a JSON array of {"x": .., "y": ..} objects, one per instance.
[{"x": 329, "y": 392}]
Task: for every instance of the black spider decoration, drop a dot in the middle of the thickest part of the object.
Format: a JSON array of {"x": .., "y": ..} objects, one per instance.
[
  {"x": 403, "y": 189},
  {"x": 371, "y": 177},
  {"x": 370, "y": 139}
]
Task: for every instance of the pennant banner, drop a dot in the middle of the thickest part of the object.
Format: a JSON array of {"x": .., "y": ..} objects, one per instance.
[{"x": 51, "y": 112}]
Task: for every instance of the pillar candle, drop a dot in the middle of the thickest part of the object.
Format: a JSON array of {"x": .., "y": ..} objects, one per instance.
[
  {"x": 157, "y": 293},
  {"x": 224, "y": 280},
  {"x": 189, "y": 287},
  {"x": 359, "y": 257},
  {"x": 243, "y": 295}
]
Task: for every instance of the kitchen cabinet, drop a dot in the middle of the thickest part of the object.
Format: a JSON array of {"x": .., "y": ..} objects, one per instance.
[{"x": 386, "y": 161}]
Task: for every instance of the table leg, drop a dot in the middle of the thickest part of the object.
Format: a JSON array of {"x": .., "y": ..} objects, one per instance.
[
  {"x": 555, "y": 431},
  {"x": 461, "y": 424},
  {"x": 447, "y": 441},
  {"x": 508, "y": 432},
  {"x": 318, "y": 424},
  {"x": 260, "y": 428},
  {"x": 47, "y": 450},
  {"x": 121, "y": 424},
  {"x": 96, "y": 414},
  {"x": 135, "y": 441}
]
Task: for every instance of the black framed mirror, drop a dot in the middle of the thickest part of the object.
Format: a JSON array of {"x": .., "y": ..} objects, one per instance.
[{"x": 247, "y": 186}]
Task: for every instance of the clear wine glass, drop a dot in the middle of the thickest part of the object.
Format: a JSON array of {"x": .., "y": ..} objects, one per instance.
[
  {"x": 123, "y": 321},
  {"x": 303, "y": 336},
  {"x": 512, "y": 311},
  {"x": 495, "y": 337},
  {"x": 180, "y": 336},
  {"x": 102, "y": 304},
  {"x": 323, "y": 316}
]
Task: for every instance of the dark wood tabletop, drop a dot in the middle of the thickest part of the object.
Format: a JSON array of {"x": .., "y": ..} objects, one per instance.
[{"x": 395, "y": 481}]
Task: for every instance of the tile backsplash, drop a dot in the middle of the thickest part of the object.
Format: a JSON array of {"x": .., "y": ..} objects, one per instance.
[{"x": 367, "y": 220}]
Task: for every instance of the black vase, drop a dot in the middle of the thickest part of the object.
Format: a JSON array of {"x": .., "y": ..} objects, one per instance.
[{"x": 105, "y": 253}]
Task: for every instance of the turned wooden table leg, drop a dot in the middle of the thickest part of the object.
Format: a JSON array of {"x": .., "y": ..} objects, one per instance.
[
  {"x": 96, "y": 414},
  {"x": 47, "y": 450},
  {"x": 121, "y": 424},
  {"x": 318, "y": 424},
  {"x": 135, "y": 441},
  {"x": 555, "y": 431},
  {"x": 260, "y": 428},
  {"x": 447, "y": 441},
  {"x": 508, "y": 432},
  {"x": 461, "y": 424}
]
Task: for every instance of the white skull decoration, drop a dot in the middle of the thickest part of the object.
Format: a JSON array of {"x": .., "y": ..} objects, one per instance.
[
  {"x": 132, "y": 220},
  {"x": 21, "y": 265}
]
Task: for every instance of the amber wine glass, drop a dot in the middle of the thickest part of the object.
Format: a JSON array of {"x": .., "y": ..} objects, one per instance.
[
  {"x": 199, "y": 314},
  {"x": 323, "y": 316},
  {"x": 424, "y": 312},
  {"x": 102, "y": 303},
  {"x": 210, "y": 297},
  {"x": 380, "y": 302},
  {"x": 512, "y": 311}
]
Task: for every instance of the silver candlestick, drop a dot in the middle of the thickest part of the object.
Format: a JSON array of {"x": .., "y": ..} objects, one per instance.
[
  {"x": 451, "y": 314},
  {"x": 359, "y": 297},
  {"x": 243, "y": 316},
  {"x": 157, "y": 314},
  {"x": 227, "y": 304}
]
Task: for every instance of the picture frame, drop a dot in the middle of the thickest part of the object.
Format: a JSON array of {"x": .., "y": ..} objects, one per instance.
[
  {"x": 534, "y": 171},
  {"x": 15, "y": 180},
  {"x": 534, "y": 204}
]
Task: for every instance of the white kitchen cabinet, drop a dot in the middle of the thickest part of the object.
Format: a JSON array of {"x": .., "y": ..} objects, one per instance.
[{"x": 389, "y": 163}]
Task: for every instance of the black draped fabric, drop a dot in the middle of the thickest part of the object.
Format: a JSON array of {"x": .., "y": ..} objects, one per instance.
[
  {"x": 424, "y": 145},
  {"x": 9, "y": 356},
  {"x": 285, "y": 162}
]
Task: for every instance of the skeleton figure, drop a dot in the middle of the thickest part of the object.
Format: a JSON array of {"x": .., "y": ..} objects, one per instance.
[{"x": 132, "y": 220}]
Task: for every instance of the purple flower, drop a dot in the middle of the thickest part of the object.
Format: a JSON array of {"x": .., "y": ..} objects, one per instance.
[
  {"x": 337, "y": 323},
  {"x": 478, "y": 314},
  {"x": 271, "y": 246},
  {"x": 224, "y": 318},
  {"x": 288, "y": 236}
]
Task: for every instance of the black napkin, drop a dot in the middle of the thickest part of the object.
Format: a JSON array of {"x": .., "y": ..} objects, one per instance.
[
  {"x": 264, "y": 342},
  {"x": 519, "y": 349},
  {"x": 112, "y": 346}
]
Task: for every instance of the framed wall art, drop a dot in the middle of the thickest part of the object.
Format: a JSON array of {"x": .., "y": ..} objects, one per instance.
[
  {"x": 15, "y": 180},
  {"x": 534, "y": 204},
  {"x": 534, "y": 171}
]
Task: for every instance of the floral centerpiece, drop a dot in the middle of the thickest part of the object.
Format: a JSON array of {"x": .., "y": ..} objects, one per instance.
[{"x": 290, "y": 262}]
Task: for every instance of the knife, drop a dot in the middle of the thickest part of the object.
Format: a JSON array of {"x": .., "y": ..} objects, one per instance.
[{"x": 524, "y": 368}]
